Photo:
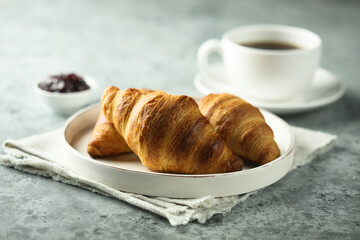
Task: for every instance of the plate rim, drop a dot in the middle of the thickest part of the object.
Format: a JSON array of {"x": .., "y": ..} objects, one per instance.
[{"x": 159, "y": 174}]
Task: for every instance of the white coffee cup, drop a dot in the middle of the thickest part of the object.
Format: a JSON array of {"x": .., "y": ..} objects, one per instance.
[{"x": 270, "y": 75}]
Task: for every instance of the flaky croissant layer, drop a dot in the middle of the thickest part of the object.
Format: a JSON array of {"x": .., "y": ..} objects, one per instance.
[
  {"x": 168, "y": 132},
  {"x": 105, "y": 140},
  {"x": 242, "y": 126}
]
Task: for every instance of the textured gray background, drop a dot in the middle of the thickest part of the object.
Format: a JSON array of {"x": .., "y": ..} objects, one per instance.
[{"x": 153, "y": 44}]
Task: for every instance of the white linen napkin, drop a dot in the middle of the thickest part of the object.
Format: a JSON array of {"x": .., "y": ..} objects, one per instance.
[{"x": 41, "y": 155}]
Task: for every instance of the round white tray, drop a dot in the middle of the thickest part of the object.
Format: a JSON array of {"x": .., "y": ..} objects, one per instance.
[{"x": 125, "y": 171}]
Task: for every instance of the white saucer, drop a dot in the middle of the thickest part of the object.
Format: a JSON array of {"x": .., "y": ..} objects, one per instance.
[{"x": 325, "y": 89}]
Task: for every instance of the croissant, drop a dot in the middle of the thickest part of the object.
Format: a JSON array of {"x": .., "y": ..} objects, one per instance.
[
  {"x": 105, "y": 140},
  {"x": 168, "y": 132},
  {"x": 242, "y": 126}
]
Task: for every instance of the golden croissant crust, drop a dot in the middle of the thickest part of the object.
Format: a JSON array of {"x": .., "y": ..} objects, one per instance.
[
  {"x": 168, "y": 132},
  {"x": 242, "y": 126},
  {"x": 105, "y": 140}
]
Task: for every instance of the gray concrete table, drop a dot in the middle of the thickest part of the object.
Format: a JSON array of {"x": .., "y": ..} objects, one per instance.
[{"x": 153, "y": 44}]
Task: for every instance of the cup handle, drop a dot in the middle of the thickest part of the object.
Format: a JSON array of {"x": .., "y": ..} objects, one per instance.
[{"x": 209, "y": 46}]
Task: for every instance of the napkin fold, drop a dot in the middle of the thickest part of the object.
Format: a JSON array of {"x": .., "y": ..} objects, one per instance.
[{"x": 41, "y": 155}]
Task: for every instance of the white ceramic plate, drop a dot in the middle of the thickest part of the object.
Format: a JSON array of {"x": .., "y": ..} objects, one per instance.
[
  {"x": 325, "y": 89},
  {"x": 125, "y": 171}
]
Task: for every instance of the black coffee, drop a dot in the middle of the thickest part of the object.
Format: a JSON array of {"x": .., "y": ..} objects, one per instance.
[{"x": 270, "y": 45}]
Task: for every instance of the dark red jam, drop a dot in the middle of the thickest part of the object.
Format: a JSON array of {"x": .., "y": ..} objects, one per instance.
[{"x": 64, "y": 83}]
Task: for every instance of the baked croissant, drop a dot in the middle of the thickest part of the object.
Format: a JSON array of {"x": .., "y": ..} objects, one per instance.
[
  {"x": 242, "y": 126},
  {"x": 168, "y": 132},
  {"x": 105, "y": 140}
]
